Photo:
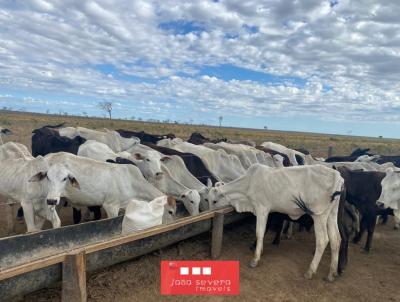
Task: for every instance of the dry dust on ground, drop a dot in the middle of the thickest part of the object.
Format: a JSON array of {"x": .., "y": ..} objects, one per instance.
[{"x": 279, "y": 277}]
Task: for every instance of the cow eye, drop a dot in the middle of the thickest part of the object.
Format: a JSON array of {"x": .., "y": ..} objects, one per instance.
[
  {"x": 206, "y": 199},
  {"x": 147, "y": 159},
  {"x": 170, "y": 212},
  {"x": 65, "y": 179},
  {"x": 191, "y": 201}
]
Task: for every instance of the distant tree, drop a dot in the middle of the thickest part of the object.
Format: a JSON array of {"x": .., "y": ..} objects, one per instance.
[
  {"x": 220, "y": 120},
  {"x": 133, "y": 117},
  {"x": 48, "y": 111},
  {"x": 107, "y": 107},
  {"x": 84, "y": 113},
  {"x": 265, "y": 127}
]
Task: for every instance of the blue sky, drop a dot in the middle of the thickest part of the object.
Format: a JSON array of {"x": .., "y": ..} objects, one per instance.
[{"x": 318, "y": 66}]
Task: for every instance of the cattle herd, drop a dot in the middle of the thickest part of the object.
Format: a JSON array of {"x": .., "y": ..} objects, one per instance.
[{"x": 149, "y": 176}]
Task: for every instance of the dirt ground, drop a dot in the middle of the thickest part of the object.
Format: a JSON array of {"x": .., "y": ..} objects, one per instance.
[{"x": 279, "y": 277}]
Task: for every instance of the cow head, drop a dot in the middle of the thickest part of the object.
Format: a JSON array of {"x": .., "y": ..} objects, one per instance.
[
  {"x": 216, "y": 198},
  {"x": 149, "y": 165},
  {"x": 169, "y": 210},
  {"x": 191, "y": 200},
  {"x": 278, "y": 160},
  {"x": 58, "y": 177},
  {"x": 390, "y": 196}
]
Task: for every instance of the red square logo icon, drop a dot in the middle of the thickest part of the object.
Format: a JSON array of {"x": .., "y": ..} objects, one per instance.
[{"x": 199, "y": 277}]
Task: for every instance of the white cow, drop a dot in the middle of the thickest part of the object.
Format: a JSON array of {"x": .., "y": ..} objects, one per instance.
[
  {"x": 367, "y": 158},
  {"x": 285, "y": 150},
  {"x": 17, "y": 181},
  {"x": 294, "y": 191},
  {"x": 13, "y": 150},
  {"x": 390, "y": 195},
  {"x": 148, "y": 164},
  {"x": 177, "y": 167},
  {"x": 93, "y": 183},
  {"x": 365, "y": 166},
  {"x": 223, "y": 166},
  {"x": 113, "y": 139},
  {"x": 140, "y": 215},
  {"x": 246, "y": 157}
]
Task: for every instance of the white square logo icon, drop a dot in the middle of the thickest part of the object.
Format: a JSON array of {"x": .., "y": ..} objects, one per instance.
[
  {"x": 184, "y": 271},
  {"x": 207, "y": 271},
  {"x": 196, "y": 270}
]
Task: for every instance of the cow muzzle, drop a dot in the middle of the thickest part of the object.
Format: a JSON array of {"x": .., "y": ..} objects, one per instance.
[{"x": 52, "y": 202}]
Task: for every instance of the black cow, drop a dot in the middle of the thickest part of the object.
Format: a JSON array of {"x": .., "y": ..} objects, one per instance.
[
  {"x": 192, "y": 162},
  {"x": 47, "y": 140},
  {"x": 359, "y": 152},
  {"x": 304, "y": 151},
  {"x": 198, "y": 139},
  {"x": 363, "y": 189},
  {"x": 5, "y": 131},
  {"x": 345, "y": 158},
  {"x": 144, "y": 137}
]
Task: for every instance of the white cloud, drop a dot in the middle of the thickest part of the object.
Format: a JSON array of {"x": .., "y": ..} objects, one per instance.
[{"x": 347, "y": 54}]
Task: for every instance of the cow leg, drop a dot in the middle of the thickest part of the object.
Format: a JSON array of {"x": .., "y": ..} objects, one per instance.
[
  {"x": 385, "y": 218},
  {"x": 96, "y": 212},
  {"x": 363, "y": 227},
  {"x": 52, "y": 216},
  {"x": 20, "y": 213},
  {"x": 321, "y": 239},
  {"x": 288, "y": 229},
  {"x": 396, "y": 223},
  {"x": 111, "y": 210},
  {"x": 260, "y": 232},
  {"x": 371, "y": 228},
  {"x": 278, "y": 234},
  {"x": 76, "y": 215},
  {"x": 334, "y": 242},
  {"x": 29, "y": 214}
]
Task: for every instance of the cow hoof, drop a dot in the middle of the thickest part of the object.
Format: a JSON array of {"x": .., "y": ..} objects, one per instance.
[
  {"x": 308, "y": 275},
  {"x": 329, "y": 278},
  {"x": 253, "y": 263}
]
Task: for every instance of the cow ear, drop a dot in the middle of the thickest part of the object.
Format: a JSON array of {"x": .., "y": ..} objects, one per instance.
[
  {"x": 138, "y": 156},
  {"x": 209, "y": 183},
  {"x": 38, "y": 177},
  {"x": 74, "y": 182},
  {"x": 165, "y": 158},
  {"x": 111, "y": 161}
]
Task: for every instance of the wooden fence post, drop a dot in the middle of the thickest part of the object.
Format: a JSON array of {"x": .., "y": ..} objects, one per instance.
[
  {"x": 217, "y": 234},
  {"x": 74, "y": 277},
  {"x": 330, "y": 151}
]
